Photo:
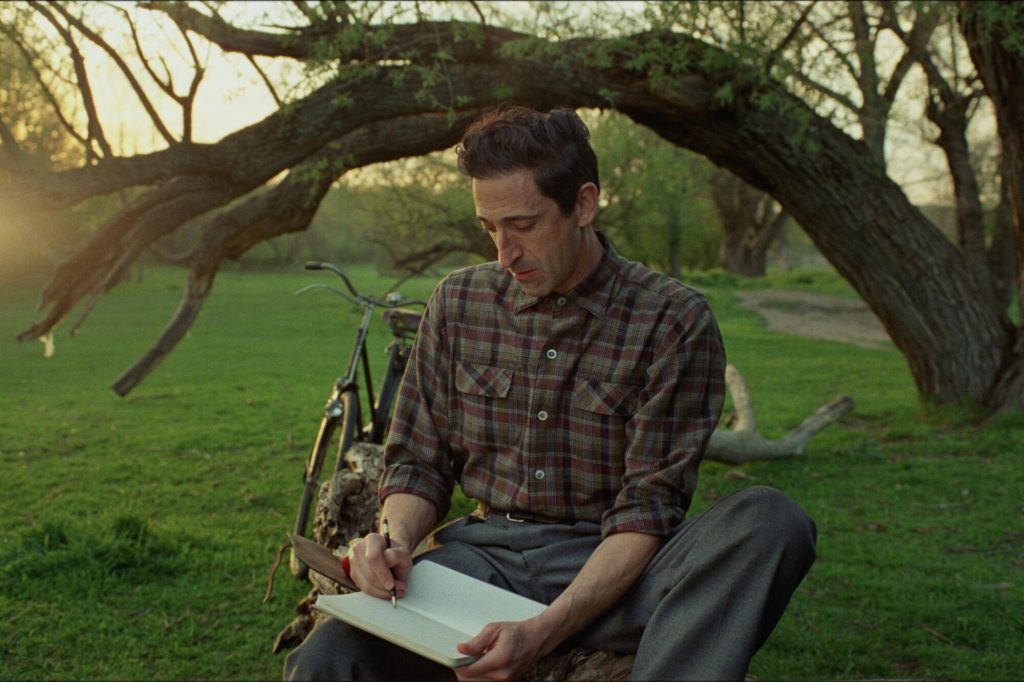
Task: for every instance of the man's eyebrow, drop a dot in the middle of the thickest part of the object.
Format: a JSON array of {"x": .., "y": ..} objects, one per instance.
[{"x": 512, "y": 218}]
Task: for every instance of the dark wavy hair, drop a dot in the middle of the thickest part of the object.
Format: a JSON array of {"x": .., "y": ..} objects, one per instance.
[{"x": 555, "y": 146}]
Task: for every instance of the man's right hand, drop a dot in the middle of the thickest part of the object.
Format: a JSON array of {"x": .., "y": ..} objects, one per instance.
[{"x": 376, "y": 569}]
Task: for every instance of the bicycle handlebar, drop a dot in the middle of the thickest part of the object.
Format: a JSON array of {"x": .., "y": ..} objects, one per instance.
[{"x": 393, "y": 300}]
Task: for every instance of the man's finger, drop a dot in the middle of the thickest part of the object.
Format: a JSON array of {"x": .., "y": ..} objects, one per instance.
[{"x": 482, "y": 642}]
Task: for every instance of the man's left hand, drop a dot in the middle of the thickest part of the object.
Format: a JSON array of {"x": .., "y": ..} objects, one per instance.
[{"x": 506, "y": 651}]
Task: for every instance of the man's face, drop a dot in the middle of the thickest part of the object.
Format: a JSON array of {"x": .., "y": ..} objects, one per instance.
[{"x": 542, "y": 249}]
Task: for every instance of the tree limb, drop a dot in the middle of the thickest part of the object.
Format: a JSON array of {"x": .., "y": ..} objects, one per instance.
[{"x": 287, "y": 207}]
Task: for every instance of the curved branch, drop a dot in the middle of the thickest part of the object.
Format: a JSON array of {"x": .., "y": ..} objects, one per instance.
[
  {"x": 302, "y": 43},
  {"x": 763, "y": 134}
]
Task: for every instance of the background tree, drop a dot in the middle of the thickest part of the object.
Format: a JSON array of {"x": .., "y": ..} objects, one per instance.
[
  {"x": 751, "y": 220},
  {"x": 655, "y": 204}
]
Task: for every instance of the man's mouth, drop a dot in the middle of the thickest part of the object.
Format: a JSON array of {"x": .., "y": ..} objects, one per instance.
[{"x": 523, "y": 275}]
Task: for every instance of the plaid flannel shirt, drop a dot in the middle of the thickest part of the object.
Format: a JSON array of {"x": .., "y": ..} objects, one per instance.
[{"x": 592, "y": 405}]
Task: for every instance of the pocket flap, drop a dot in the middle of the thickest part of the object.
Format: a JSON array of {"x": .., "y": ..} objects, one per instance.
[
  {"x": 492, "y": 382},
  {"x": 606, "y": 397}
]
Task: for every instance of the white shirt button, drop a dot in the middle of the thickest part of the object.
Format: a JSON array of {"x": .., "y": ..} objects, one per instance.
[
  {"x": 561, "y": 300},
  {"x": 539, "y": 474},
  {"x": 552, "y": 354},
  {"x": 542, "y": 415}
]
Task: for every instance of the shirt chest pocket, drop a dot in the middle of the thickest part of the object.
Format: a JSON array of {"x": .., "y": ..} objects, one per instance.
[
  {"x": 486, "y": 417},
  {"x": 606, "y": 397},
  {"x": 601, "y": 410}
]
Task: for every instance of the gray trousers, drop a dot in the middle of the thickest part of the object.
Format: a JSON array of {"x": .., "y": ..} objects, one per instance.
[{"x": 702, "y": 608}]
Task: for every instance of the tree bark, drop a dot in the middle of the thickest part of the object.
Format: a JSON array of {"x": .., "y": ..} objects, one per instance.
[{"x": 993, "y": 32}]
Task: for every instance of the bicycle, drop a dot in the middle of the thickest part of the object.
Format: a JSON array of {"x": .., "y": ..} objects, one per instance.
[{"x": 342, "y": 411}]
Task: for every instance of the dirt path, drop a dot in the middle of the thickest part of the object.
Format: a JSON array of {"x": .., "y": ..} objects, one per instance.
[{"x": 819, "y": 316}]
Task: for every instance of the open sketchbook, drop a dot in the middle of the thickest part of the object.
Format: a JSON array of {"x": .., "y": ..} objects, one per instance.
[{"x": 441, "y": 608}]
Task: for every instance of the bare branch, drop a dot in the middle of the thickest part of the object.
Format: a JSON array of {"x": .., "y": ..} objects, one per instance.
[
  {"x": 864, "y": 48},
  {"x": 266, "y": 81},
  {"x": 121, "y": 65},
  {"x": 306, "y": 11},
  {"x": 82, "y": 76},
  {"x": 916, "y": 42},
  {"x": 479, "y": 13},
  {"x": 301, "y": 43},
  {"x": 793, "y": 31},
  {"x": 187, "y": 101},
  {"x": 744, "y": 444},
  {"x": 836, "y": 52},
  {"x": 164, "y": 83},
  {"x": 827, "y": 91}
]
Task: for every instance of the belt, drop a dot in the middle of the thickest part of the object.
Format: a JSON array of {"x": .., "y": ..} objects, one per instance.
[{"x": 527, "y": 517}]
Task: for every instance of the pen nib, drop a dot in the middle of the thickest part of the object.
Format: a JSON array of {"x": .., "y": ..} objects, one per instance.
[{"x": 394, "y": 602}]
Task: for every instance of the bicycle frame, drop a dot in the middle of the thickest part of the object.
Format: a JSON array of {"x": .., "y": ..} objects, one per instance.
[{"x": 343, "y": 409}]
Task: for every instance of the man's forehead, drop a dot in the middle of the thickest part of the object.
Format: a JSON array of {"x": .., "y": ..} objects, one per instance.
[{"x": 509, "y": 193}]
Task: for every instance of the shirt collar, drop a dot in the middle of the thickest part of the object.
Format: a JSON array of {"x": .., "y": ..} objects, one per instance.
[{"x": 592, "y": 294}]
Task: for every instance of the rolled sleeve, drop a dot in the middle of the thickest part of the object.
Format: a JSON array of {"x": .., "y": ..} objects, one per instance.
[
  {"x": 678, "y": 411},
  {"x": 416, "y": 457}
]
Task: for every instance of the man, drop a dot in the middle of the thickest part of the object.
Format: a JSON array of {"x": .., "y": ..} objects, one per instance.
[{"x": 572, "y": 393}]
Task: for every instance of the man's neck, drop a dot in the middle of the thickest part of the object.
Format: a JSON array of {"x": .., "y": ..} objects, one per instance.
[{"x": 592, "y": 253}]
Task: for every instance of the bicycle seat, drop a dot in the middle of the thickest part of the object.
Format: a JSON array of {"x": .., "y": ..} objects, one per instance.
[{"x": 402, "y": 321}]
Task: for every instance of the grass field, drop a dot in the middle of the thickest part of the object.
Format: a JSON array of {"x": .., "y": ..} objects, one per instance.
[{"x": 136, "y": 534}]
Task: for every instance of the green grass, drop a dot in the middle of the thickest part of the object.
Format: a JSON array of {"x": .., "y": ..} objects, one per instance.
[{"x": 136, "y": 534}]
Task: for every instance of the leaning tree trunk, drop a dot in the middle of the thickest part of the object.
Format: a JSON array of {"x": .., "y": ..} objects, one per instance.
[{"x": 993, "y": 31}]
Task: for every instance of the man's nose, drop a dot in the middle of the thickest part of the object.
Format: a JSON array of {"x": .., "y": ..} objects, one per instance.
[{"x": 508, "y": 248}]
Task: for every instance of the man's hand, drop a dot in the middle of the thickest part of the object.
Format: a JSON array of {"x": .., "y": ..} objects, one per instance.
[
  {"x": 506, "y": 650},
  {"x": 376, "y": 569}
]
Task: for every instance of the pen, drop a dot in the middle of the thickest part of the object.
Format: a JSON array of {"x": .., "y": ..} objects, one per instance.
[{"x": 387, "y": 545}]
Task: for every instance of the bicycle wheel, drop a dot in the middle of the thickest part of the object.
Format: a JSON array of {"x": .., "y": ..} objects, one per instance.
[{"x": 347, "y": 420}]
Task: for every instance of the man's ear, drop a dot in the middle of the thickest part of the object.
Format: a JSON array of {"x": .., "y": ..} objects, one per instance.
[{"x": 586, "y": 203}]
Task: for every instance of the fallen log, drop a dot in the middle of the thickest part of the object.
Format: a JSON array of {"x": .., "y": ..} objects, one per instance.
[{"x": 742, "y": 442}]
